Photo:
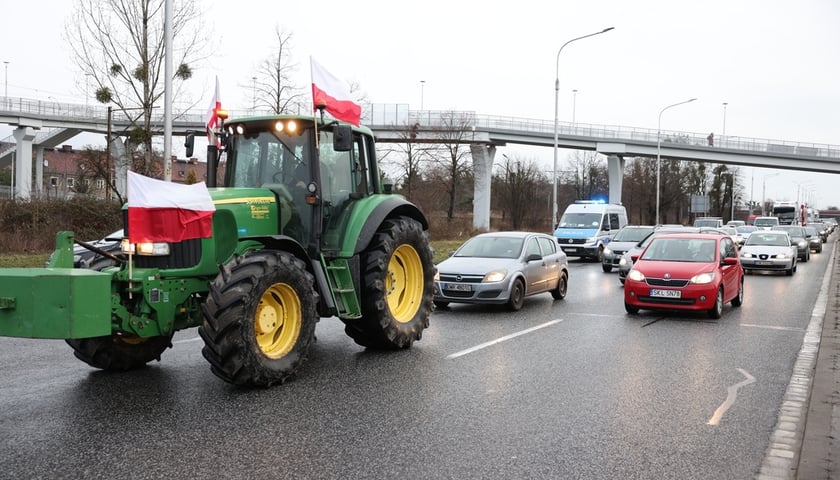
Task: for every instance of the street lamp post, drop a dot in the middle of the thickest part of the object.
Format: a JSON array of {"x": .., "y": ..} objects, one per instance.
[
  {"x": 659, "y": 149},
  {"x": 422, "y": 87},
  {"x": 764, "y": 193},
  {"x": 556, "y": 114},
  {"x": 723, "y": 134},
  {"x": 254, "y": 94},
  {"x": 574, "y": 105},
  {"x": 6, "y": 90}
]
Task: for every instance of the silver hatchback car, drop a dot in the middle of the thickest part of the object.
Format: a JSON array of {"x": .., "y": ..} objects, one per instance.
[{"x": 502, "y": 268}]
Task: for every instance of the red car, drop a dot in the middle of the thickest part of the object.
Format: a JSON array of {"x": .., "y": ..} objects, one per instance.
[{"x": 686, "y": 271}]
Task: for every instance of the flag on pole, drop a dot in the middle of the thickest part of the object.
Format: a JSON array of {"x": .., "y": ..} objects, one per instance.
[
  {"x": 161, "y": 211},
  {"x": 332, "y": 92},
  {"x": 213, "y": 121}
]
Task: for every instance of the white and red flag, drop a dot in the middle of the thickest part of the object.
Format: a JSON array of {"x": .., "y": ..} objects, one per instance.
[
  {"x": 332, "y": 92},
  {"x": 213, "y": 122},
  {"x": 161, "y": 211}
]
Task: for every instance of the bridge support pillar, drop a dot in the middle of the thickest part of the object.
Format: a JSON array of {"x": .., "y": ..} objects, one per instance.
[
  {"x": 615, "y": 172},
  {"x": 39, "y": 172},
  {"x": 23, "y": 162},
  {"x": 482, "y": 156}
]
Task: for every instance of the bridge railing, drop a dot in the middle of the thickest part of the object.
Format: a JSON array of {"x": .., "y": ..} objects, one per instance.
[
  {"x": 399, "y": 116},
  {"x": 391, "y": 116}
]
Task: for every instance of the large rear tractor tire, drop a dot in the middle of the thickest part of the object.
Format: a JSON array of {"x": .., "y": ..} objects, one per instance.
[
  {"x": 119, "y": 353},
  {"x": 397, "y": 287},
  {"x": 259, "y": 319}
]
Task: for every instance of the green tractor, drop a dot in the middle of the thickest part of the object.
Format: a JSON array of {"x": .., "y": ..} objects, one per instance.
[{"x": 304, "y": 228}]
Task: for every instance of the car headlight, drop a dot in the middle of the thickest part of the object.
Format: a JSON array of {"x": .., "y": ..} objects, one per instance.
[
  {"x": 495, "y": 276},
  {"x": 802, "y": 244},
  {"x": 622, "y": 262},
  {"x": 148, "y": 249},
  {"x": 746, "y": 255},
  {"x": 607, "y": 251},
  {"x": 783, "y": 256},
  {"x": 635, "y": 275},
  {"x": 437, "y": 276},
  {"x": 591, "y": 239},
  {"x": 702, "y": 278}
]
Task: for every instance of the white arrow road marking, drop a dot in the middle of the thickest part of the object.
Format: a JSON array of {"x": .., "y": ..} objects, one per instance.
[
  {"x": 502, "y": 339},
  {"x": 732, "y": 394}
]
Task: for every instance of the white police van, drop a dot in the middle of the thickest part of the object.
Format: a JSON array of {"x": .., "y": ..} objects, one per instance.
[{"x": 587, "y": 226}]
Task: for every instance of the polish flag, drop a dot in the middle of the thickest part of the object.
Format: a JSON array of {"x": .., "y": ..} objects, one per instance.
[
  {"x": 332, "y": 92},
  {"x": 213, "y": 121},
  {"x": 161, "y": 211}
]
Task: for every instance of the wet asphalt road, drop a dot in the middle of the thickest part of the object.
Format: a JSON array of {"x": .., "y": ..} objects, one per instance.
[{"x": 561, "y": 389}]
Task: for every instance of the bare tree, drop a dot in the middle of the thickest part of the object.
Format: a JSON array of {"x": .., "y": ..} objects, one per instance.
[
  {"x": 590, "y": 175},
  {"x": 95, "y": 163},
  {"x": 273, "y": 85},
  {"x": 409, "y": 159},
  {"x": 120, "y": 45},
  {"x": 518, "y": 185},
  {"x": 453, "y": 136}
]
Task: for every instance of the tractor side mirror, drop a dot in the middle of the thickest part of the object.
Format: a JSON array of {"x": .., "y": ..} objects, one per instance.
[
  {"x": 189, "y": 144},
  {"x": 342, "y": 138}
]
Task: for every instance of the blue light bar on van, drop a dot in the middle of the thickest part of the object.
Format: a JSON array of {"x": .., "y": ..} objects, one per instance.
[{"x": 590, "y": 201}]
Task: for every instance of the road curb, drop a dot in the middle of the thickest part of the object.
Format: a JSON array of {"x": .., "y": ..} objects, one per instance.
[{"x": 788, "y": 450}]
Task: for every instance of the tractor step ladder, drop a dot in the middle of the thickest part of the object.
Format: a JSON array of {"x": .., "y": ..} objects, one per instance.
[{"x": 341, "y": 282}]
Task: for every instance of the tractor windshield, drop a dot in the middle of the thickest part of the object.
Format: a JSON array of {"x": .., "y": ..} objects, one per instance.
[{"x": 268, "y": 157}]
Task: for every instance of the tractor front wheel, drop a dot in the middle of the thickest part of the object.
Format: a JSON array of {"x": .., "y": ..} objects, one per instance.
[
  {"x": 259, "y": 319},
  {"x": 118, "y": 352},
  {"x": 397, "y": 286}
]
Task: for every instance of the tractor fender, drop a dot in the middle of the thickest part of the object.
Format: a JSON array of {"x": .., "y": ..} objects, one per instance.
[
  {"x": 288, "y": 244},
  {"x": 389, "y": 208}
]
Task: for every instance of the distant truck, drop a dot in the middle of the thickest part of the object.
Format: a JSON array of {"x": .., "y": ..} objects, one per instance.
[
  {"x": 587, "y": 226},
  {"x": 786, "y": 212}
]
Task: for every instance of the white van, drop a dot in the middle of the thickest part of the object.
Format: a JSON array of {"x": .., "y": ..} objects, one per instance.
[
  {"x": 766, "y": 223},
  {"x": 587, "y": 226}
]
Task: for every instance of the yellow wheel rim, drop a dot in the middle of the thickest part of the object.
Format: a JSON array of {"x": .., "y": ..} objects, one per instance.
[
  {"x": 404, "y": 283},
  {"x": 277, "y": 321}
]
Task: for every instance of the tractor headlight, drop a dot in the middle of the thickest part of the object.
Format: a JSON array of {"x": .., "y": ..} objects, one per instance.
[{"x": 148, "y": 249}]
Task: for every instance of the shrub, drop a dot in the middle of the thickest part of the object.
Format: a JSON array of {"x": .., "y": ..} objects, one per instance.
[{"x": 30, "y": 227}]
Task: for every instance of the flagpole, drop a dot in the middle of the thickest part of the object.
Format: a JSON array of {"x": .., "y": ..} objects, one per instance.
[{"x": 167, "y": 92}]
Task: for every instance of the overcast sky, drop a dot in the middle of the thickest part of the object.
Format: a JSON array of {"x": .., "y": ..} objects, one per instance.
[{"x": 775, "y": 63}]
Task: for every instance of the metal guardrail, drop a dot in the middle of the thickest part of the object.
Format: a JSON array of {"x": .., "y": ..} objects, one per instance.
[{"x": 391, "y": 116}]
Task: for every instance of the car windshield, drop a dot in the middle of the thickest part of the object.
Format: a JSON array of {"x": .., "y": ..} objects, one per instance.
[
  {"x": 811, "y": 231},
  {"x": 491, "y": 247},
  {"x": 792, "y": 231},
  {"x": 771, "y": 239},
  {"x": 632, "y": 234},
  {"x": 681, "y": 250},
  {"x": 746, "y": 229},
  {"x": 580, "y": 220}
]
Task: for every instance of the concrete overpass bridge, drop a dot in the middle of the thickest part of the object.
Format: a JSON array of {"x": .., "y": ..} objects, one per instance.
[{"x": 42, "y": 125}]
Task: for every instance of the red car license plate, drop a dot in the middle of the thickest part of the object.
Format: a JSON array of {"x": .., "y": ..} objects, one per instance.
[{"x": 655, "y": 292}]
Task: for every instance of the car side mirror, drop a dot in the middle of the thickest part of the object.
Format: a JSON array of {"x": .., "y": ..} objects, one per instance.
[
  {"x": 533, "y": 257},
  {"x": 634, "y": 257},
  {"x": 730, "y": 260}
]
